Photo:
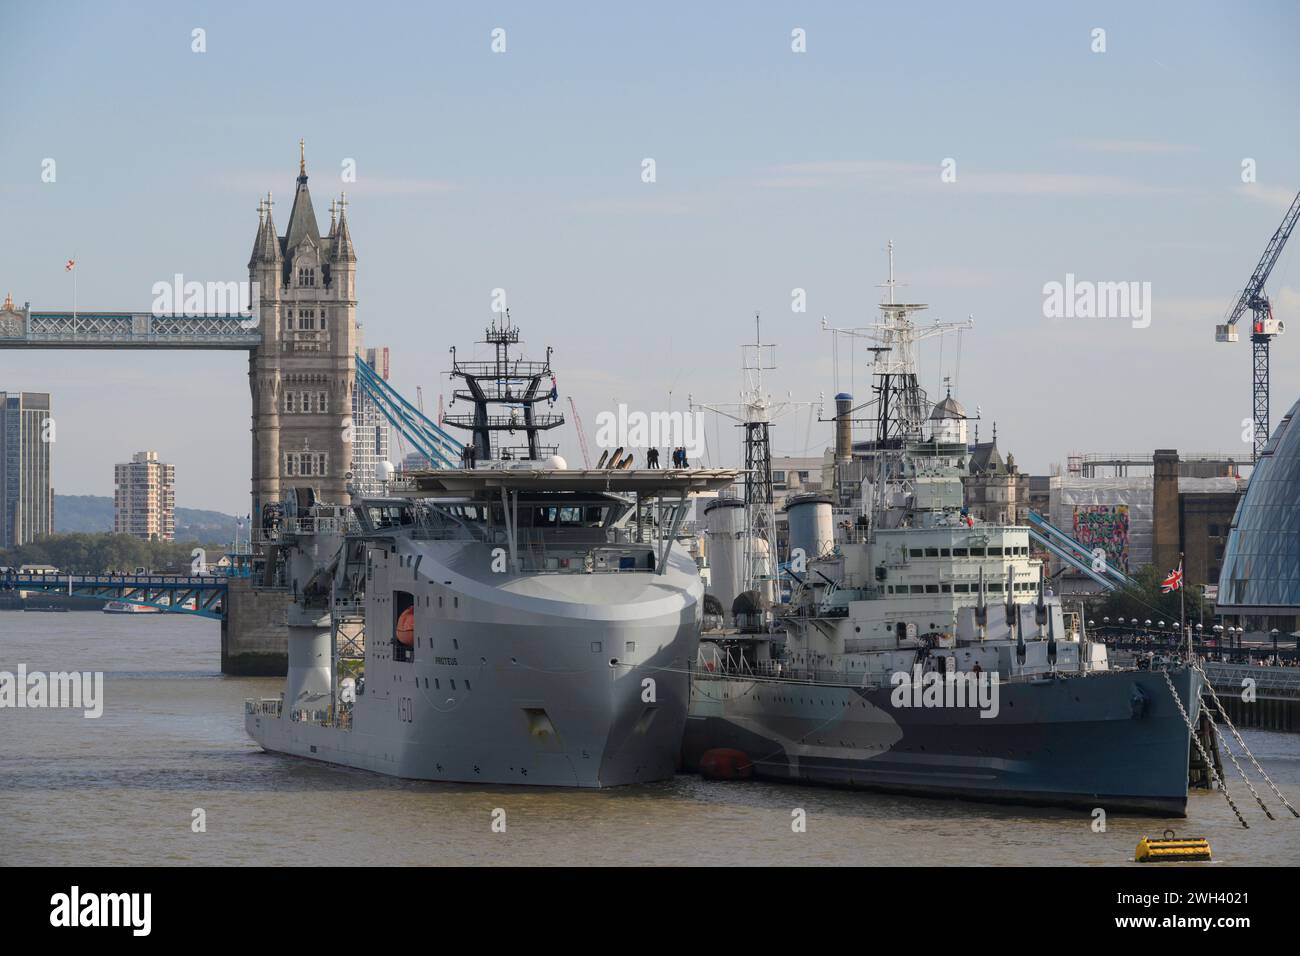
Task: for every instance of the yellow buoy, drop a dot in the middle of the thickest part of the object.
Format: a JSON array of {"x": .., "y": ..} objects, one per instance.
[{"x": 1171, "y": 849}]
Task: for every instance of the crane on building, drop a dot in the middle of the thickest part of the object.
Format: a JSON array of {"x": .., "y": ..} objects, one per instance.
[
  {"x": 582, "y": 438},
  {"x": 1264, "y": 328}
]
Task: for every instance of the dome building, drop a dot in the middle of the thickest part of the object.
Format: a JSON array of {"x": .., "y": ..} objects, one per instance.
[{"x": 1259, "y": 586}]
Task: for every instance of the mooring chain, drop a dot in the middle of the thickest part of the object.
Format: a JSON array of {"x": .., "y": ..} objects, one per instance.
[
  {"x": 1231, "y": 756},
  {"x": 1237, "y": 736},
  {"x": 1209, "y": 764}
]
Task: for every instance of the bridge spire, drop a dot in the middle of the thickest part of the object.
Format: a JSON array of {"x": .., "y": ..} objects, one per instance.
[
  {"x": 302, "y": 159},
  {"x": 268, "y": 244},
  {"x": 341, "y": 250}
]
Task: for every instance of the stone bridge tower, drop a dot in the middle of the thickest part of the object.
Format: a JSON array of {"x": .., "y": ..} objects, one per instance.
[{"x": 302, "y": 375}]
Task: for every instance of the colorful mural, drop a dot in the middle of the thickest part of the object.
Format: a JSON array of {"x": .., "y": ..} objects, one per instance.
[{"x": 1105, "y": 527}]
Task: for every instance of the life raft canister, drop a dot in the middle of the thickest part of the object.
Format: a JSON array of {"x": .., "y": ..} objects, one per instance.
[{"x": 406, "y": 627}]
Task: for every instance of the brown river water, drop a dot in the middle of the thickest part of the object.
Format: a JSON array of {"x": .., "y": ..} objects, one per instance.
[{"x": 122, "y": 789}]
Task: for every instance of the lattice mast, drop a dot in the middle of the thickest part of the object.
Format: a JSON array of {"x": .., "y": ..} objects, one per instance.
[{"x": 755, "y": 414}]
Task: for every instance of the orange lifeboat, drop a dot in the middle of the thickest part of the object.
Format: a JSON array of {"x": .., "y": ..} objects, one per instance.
[
  {"x": 406, "y": 627},
  {"x": 724, "y": 764}
]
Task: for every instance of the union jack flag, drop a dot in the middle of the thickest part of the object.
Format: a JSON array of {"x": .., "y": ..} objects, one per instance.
[
  {"x": 1174, "y": 581},
  {"x": 71, "y": 263}
]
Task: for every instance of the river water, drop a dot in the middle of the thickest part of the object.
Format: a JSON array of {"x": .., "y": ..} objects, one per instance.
[{"x": 122, "y": 789}]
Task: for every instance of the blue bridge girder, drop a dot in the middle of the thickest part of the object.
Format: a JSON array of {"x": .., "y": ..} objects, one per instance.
[
  {"x": 208, "y": 591},
  {"x": 429, "y": 440},
  {"x": 132, "y": 330},
  {"x": 1075, "y": 554}
]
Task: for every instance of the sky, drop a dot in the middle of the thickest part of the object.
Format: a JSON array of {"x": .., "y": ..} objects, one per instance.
[{"x": 774, "y": 171}]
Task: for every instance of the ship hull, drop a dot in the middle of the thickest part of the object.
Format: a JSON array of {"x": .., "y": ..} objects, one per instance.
[
  {"x": 1110, "y": 740},
  {"x": 565, "y": 680}
]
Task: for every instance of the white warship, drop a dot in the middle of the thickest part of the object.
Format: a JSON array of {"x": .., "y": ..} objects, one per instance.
[{"x": 510, "y": 622}]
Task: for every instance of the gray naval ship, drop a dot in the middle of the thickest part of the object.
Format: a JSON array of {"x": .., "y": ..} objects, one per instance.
[
  {"x": 921, "y": 652},
  {"x": 515, "y": 622}
]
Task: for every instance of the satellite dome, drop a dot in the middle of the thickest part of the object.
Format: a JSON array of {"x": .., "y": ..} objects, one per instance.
[
  {"x": 948, "y": 408},
  {"x": 385, "y": 470}
]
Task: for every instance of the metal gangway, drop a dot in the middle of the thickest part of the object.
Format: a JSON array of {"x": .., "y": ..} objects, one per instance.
[{"x": 1074, "y": 554}]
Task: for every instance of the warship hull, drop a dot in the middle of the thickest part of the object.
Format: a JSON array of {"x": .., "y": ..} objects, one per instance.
[
  {"x": 567, "y": 680},
  {"x": 1114, "y": 740}
]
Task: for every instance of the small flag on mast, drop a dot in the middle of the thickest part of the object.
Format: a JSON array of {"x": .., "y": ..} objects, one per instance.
[
  {"x": 71, "y": 264},
  {"x": 1174, "y": 582}
]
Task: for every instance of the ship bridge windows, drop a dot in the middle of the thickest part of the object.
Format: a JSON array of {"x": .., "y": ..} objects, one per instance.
[
  {"x": 931, "y": 552},
  {"x": 916, "y": 552},
  {"x": 977, "y": 552},
  {"x": 960, "y": 552},
  {"x": 391, "y": 516},
  {"x": 567, "y": 516},
  {"x": 996, "y": 552}
]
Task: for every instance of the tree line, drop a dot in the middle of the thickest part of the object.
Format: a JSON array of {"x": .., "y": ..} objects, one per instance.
[{"x": 104, "y": 553}]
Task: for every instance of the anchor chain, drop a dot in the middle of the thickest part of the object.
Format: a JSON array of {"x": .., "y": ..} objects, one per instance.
[
  {"x": 1209, "y": 764},
  {"x": 1237, "y": 736},
  {"x": 1245, "y": 779}
]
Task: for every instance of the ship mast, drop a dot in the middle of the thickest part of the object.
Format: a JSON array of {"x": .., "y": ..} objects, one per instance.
[
  {"x": 515, "y": 384},
  {"x": 755, "y": 414},
  {"x": 899, "y": 407}
]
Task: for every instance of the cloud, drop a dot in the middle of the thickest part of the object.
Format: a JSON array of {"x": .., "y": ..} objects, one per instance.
[
  {"x": 839, "y": 173},
  {"x": 1280, "y": 197},
  {"x": 257, "y": 183},
  {"x": 632, "y": 207},
  {"x": 896, "y": 174},
  {"x": 1133, "y": 146},
  {"x": 1057, "y": 184},
  {"x": 385, "y": 186}
]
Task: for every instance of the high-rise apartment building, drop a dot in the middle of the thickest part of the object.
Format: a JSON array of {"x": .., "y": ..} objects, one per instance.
[{"x": 144, "y": 503}]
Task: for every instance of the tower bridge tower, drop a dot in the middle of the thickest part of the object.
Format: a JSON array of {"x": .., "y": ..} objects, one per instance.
[{"x": 302, "y": 373}]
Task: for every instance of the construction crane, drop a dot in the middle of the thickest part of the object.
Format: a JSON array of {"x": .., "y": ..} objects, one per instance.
[
  {"x": 1263, "y": 326},
  {"x": 582, "y": 438}
]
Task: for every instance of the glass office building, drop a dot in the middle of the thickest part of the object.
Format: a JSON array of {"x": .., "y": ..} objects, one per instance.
[{"x": 1259, "y": 587}]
